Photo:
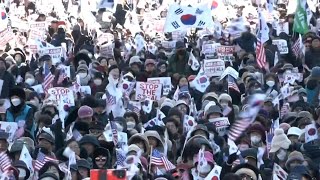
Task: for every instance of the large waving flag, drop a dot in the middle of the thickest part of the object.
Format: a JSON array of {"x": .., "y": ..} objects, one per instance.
[
  {"x": 5, "y": 161},
  {"x": 300, "y": 24},
  {"x": 264, "y": 29},
  {"x": 182, "y": 17},
  {"x": 42, "y": 159},
  {"x": 159, "y": 160},
  {"x": 48, "y": 78},
  {"x": 262, "y": 37},
  {"x": 201, "y": 82},
  {"x": 3, "y": 18}
]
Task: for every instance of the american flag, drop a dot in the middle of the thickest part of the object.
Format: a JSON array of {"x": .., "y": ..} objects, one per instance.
[
  {"x": 269, "y": 137},
  {"x": 159, "y": 160},
  {"x": 5, "y": 162},
  {"x": 261, "y": 55},
  {"x": 76, "y": 84},
  {"x": 111, "y": 100},
  {"x": 114, "y": 133},
  {"x": 120, "y": 158},
  {"x": 41, "y": 160},
  {"x": 134, "y": 107},
  {"x": 297, "y": 47},
  {"x": 284, "y": 110},
  {"x": 232, "y": 84},
  {"x": 48, "y": 78},
  {"x": 262, "y": 38}
]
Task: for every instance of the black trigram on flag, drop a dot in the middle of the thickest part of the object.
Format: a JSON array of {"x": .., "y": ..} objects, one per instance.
[
  {"x": 175, "y": 24},
  {"x": 178, "y": 11},
  {"x": 201, "y": 23}
]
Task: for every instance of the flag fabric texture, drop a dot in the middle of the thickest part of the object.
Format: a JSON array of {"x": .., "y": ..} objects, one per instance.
[
  {"x": 26, "y": 157},
  {"x": 262, "y": 37},
  {"x": 62, "y": 76},
  {"x": 159, "y": 160},
  {"x": 120, "y": 158},
  {"x": 41, "y": 160},
  {"x": 311, "y": 133},
  {"x": 114, "y": 133},
  {"x": 183, "y": 17},
  {"x": 297, "y": 47},
  {"x": 5, "y": 161},
  {"x": 232, "y": 84},
  {"x": 193, "y": 62},
  {"x": 201, "y": 82},
  {"x": 281, "y": 174},
  {"x": 48, "y": 78},
  {"x": 4, "y": 18},
  {"x": 246, "y": 117},
  {"x": 300, "y": 24}
]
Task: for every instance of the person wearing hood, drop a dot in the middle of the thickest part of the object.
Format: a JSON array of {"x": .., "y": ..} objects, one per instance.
[
  {"x": 19, "y": 111},
  {"x": 312, "y": 57},
  {"x": 101, "y": 158},
  {"x": 6, "y": 78},
  {"x": 60, "y": 37},
  {"x": 150, "y": 71},
  {"x": 279, "y": 146}
]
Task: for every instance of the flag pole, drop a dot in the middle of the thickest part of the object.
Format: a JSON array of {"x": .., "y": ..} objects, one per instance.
[
  {"x": 228, "y": 84},
  {"x": 151, "y": 149}
]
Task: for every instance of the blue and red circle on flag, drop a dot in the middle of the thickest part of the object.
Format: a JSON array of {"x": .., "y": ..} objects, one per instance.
[
  {"x": 214, "y": 5},
  {"x": 3, "y": 15},
  {"x": 188, "y": 19},
  {"x": 203, "y": 79}
]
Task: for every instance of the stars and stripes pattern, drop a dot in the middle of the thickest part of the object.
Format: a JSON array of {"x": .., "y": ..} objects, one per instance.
[
  {"x": 261, "y": 55},
  {"x": 48, "y": 78},
  {"x": 41, "y": 160},
  {"x": 5, "y": 162},
  {"x": 132, "y": 106},
  {"x": 114, "y": 133},
  {"x": 232, "y": 84},
  {"x": 297, "y": 47},
  {"x": 284, "y": 109},
  {"x": 120, "y": 158},
  {"x": 62, "y": 76},
  {"x": 238, "y": 128},
  {"x": 159, "y": 160},
  {"x": 111, "y": 100},
  {"x": 262, "y": 37}
]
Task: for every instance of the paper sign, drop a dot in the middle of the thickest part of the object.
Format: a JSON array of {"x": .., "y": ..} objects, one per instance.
[
  {"x": 282, "y": 27},
  {"x": 282, "y": 45},
  {"x": 10, "y": 128},
  {"x": 159, "y": 25},
  {"x": 38, "y": 88},
  {"x": 106, "y": 50},
  {"x": 168, "y": 44},
  {"x": 148, "y": 90},
  {"x": 105, "y": 37},
  {"x": 209, "y": 49},
  {"x": 225, "y": 52},
  {"x": 178, "y": 35},
  {"x": 56, "y": 54},
  {"x": 36, "y": 34},
  {"x": 230, "y": 71},
  {"x": 85, "y": 90},
  {"x": 57, "y": 93},
  {"x": 213, "y": 67},
  {"x": 220, "y": 123},
  {"x": 5, "y": 36},
  {"x": 122, "y": 137},
  {"x": 41, "y": 26},
  {"x": 165, "y": 81}
]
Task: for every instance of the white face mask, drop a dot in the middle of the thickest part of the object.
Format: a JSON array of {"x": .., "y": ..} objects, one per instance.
[
  {"x": 281, "y": 154},
  {"x": 270, "y": 83},
  {"x": 22, "y": 172},
  {"x": 82, "y": 75},
  {"x": 113, "y": 81},
  {"x": 97, "y": 82},
  {"x": 29, "y": 81},
  {"x": 255, "y": 139},
  {"x": 15, "y": 101},
  {"x": 130, "y": 125},
  {"x": 211, "y": 136},
  {"x": 205, "y": 169},
  {"x": 304, "y": 98}
]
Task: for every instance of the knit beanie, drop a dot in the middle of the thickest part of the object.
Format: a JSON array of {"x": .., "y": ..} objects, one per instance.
[
  {"x": 295, "y": 155},
  {"x": 279, "y": 140}
]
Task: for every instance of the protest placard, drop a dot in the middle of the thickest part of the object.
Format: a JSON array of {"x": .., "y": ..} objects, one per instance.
[
  {"x": 38, "y": 88},
  {"x": 282, "y": 27},
  {"x": 282, "y": 45},
  {"x": 225, "y": 52},
  {"x": 106, "y": 50},
  {"x": 10, "y": 128},
  {"x": 36, "y": 34},
  {"x": 5, "y": 36},
  {"x": 220, "y": 123},
  {"x": 57, "y": 93},
  {"x": 122, "y": 137},
  {"x": 213, "y": 67},
  {"x": 41, "y": 26},
  {"x": 148, "y": 90},
  {"x": 168, "y": 44},
  {"x": 209, "y": 49},
  {"x": 56, "y": 53},
  {"x": 159, "y": 25},
  {"x": 105, "y": 37},
  {"x": 178, "y": 35},
  {"x": 165, "y": 81}
]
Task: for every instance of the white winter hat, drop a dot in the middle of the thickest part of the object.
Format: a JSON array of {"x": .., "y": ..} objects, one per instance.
[
  {"x": 279, "y": 140},
  {"x": 294, "y": 131}
]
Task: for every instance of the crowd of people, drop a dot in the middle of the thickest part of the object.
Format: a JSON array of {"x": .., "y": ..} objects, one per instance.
[{"x": 105, "y": 90}]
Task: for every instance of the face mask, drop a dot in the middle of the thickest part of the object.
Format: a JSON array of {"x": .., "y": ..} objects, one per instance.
[
  {"x": 270, "y": 83},
  {"x": 29, "y": 81},
  {"x": 97, "y": 82},
  {"x": 22, "y": 173},
  {"x": 211, "y": 136},
  {"x": 282, "y": 154},
  {"x": 224, "y": 105},
  {"x": 205, "y": 169},
  {"x": 304, "y": 99},
  {"x": 113, "y": 81},
  {"x": 130, "y": 125},
  {"x": 255, "y": 139},
  {"x": 82, "y": 75},
  {"x": 243, "y": 147},
  {"x": 15, "y": 101}
]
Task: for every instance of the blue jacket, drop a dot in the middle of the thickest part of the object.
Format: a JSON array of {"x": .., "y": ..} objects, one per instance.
[{"x": 26, "y": 114}]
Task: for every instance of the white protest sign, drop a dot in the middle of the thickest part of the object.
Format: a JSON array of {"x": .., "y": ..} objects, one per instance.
[
  {"x": 168, "y": 44},
  {"x": 56, "y": 53},
  {"x": 41, "y": 26},
  {"x": 57, "y": 93},
  {"x": 209, "y": 49},
  {"x": 282, "y": 27},
  {"x": 106, "y": 50},
  {"x": 38, "y": 88},
  {"x": 220, "y": 123},
  {"x": 122, "y": 137},
  {"x": 213, "y": 67},
  {"x": 66, "y": 70},
  {"x": 230, "y": 71},
  {"x": 148, "y": 90},
  {"x": 178, "y": 35},
  {"x": 282, "y": 45},
  {"x": 5, "y": 36},
  {"x": 159, "y": 25},
  {"x": 105, "y": 37},
  {"x": 85, "y": 90},
  {"x": 10, "y": 128},
  {"x": 36, "y": 34},
  {"x": 225, "y": 52},
  {"x": 165, "y": 81}
]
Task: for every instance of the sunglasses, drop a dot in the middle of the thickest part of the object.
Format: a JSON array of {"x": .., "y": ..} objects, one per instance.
[{"x": 101, "y": 159}]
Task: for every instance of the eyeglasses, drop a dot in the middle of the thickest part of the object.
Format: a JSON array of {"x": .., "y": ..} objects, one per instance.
[{"x": 101, "y": 159}]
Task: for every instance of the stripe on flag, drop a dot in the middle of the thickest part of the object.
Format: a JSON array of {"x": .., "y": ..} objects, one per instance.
[
  {"x": 48, "y": 78},
  {"x": 261, "y": 54},
  {"x": 5, "y": 162},
  {"x": 232, "y": 84},
  {"x": 159, "y": 160},
  {"x": 41, "y": 160}
]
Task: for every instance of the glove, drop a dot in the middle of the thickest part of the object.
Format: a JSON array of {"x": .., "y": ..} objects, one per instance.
[{"x": 232, "y": 158}]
